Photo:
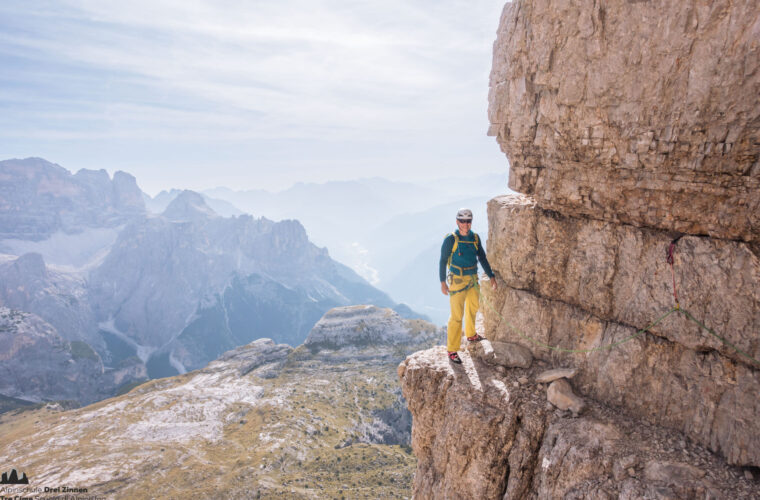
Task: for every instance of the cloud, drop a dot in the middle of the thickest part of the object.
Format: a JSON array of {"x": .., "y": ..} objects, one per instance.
[{"x": 225, "y": 71}]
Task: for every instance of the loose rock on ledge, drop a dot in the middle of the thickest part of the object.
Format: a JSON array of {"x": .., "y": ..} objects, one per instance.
[
  {"x": 561, "y": 395},
  {"x": 504, "y": 354},
  {"x": 557, "y": 373}
]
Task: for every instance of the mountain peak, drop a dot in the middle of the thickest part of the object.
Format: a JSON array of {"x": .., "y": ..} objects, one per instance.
[{"x": 188, "y": 206}]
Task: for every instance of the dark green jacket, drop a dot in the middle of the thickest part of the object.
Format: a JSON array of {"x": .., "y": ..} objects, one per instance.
[{"x": 465, "y": 256}]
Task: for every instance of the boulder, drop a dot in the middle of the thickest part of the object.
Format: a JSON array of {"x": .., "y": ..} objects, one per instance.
[
  {"x": 561, "y": 395},
  {"x": 506, "y": 354}
]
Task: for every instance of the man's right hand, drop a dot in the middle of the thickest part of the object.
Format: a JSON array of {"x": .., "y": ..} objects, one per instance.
[{"x": 444, "y": 288}]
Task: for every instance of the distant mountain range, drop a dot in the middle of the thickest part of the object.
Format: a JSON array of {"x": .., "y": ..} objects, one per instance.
[
  {"x": 388, "y": 232},
  {"x": 156, "y": 293}
]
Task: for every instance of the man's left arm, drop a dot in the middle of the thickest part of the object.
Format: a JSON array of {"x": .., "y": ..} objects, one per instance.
[{"x": 486, "y": 266}]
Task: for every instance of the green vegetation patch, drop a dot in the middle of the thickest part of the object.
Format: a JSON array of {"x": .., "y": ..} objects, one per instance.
[{"x": 82, "y": 350}]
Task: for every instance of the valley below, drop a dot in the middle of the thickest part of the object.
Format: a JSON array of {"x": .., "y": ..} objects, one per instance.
[{"x": 265, "y": 420}]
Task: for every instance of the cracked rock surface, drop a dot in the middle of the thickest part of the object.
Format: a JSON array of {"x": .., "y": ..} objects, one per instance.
[
  {"x": 478, "y": 435},
  {"x": 635, "y": 113}
]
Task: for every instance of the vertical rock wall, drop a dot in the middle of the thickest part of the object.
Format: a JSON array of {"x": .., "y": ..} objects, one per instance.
[
  {"x": 637, "y": 112},
  {"x": 628, "y": 125}
]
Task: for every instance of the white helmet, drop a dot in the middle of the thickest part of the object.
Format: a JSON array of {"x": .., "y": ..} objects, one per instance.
[{"x": 464, "y": 214}]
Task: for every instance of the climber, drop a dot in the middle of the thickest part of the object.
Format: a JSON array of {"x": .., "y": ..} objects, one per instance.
[{"x": 460, "y": 252}]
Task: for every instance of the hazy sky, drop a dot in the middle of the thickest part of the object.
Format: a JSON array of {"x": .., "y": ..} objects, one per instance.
[{"x": 247, "y": 94}]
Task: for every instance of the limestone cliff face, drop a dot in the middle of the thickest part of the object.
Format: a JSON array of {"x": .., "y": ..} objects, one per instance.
[
  {"x": 633, "y": 112},
  {"x": 482, "y": 431},
  {"x": 626, "y": 126}
]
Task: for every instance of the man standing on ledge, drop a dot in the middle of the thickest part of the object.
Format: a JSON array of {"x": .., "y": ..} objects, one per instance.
[{"x": 460, "y": 252}]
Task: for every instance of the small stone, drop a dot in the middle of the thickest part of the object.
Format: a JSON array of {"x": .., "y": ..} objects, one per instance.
[
  {"x": 523, "y": 380},
  {"x": 621, "y": 467},
  {"x": 672, "y": 472},
  {"x": 631, "y": 472},
  {"x": 516, "y": 384},
  {"x": 561, "y": 395},
  {"x": 748, "y": 475},
  {"x": 557, "y": 373}
]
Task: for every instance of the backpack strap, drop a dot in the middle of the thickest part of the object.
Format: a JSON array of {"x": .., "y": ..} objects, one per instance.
[{"x": 453, "y": 249}]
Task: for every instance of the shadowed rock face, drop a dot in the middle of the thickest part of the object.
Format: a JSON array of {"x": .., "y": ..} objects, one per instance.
[
  {"x": 632, "y": 112},
  {"x": 36, "y": 364},
  {"x": 27, "y": 284}
]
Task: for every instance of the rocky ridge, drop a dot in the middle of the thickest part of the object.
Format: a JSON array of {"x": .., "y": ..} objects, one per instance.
[
  {"x": 163, "y": 294},
  {"x": 262, "y": 420},
  {"x": 39, "y": 198},
  {"x": 630, "y": 144},
  {"x": 240, "y": 277}
]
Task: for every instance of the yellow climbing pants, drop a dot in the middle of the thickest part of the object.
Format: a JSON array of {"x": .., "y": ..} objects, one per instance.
[{"x": 463, "y": 298}]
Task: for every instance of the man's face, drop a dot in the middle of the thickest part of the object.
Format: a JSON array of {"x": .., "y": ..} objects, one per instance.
[{"x": 464, "y": 226}]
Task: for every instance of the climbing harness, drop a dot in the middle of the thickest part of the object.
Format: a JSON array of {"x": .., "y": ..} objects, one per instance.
[
  {"x": 676, "y": 308},
  {"x": 473, "y": 283}
]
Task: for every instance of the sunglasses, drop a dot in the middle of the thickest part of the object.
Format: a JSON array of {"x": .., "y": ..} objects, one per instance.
[{"x": 465, "y": 221}]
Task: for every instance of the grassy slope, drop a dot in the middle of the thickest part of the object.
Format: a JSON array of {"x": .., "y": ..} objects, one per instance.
[{"x": 290, "y": 444}]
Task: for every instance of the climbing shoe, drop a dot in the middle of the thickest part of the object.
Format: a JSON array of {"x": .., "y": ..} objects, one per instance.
[
  {"x": 476, "y": 338},
  {"x": 453, "y": 356}
]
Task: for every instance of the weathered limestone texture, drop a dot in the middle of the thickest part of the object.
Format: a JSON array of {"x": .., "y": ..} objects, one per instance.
[
  {"x": 619, "y": 273},
  {"x": 480, "y": 433},
  {"x": 637, "y": 112},
  {"x": 628, "y": 125},
  {"x": 710, "y": 398}
]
